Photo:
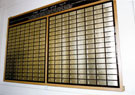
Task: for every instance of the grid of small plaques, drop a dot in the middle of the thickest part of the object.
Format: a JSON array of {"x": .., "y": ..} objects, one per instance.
[
  {"x": 26, "y": 52},
  {"x": 82, "y": 47}
]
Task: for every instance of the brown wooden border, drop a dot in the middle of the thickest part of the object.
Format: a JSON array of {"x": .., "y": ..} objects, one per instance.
[
  {"x": 6, "y": 52},
  {"x": 118, "y": 46},
  {"x": 72, "y": 86},
  {"x": 46, "y": 65}
]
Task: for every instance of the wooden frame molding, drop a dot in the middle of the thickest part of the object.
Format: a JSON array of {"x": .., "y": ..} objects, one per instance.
[
  {"x": 121, "y": 88},
  {"x": 118, "y": 46}
]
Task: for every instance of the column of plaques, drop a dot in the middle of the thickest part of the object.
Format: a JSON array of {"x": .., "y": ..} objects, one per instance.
[
  {"x": 111, "y": 61},
  {"x": 100, "y": 40},
  {"x": 10, "y": 53},
  {"x": 26, "y": 52},
  {"x": 58, "y": 49},
  {"x": 82, "y": 47}
]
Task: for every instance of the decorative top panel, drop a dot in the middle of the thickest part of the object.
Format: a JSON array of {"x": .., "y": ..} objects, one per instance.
[{"x": 49, "y": 10}]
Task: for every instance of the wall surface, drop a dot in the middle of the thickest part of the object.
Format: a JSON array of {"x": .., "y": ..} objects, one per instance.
[{"x": 126, "y": 22}]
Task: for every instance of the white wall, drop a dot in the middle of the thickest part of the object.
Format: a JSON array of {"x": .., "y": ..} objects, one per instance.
[{"x": 127, "y": 37}]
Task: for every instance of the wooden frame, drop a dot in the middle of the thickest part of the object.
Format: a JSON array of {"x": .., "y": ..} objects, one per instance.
[
  {"x": 118, "y": 46},
  {"x": 70, "y": 86}
]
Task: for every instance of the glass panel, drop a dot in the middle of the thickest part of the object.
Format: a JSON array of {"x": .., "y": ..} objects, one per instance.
[
  {"x": 82, "y": 47},
  {"x": 28, "y": 57}
]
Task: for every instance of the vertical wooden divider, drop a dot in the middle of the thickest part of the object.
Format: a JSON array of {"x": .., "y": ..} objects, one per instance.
[{"x": 47, "y": 33}]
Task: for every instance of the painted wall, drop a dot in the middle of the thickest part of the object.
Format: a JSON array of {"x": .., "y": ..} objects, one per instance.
[{"x": 127, "y": 37}]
